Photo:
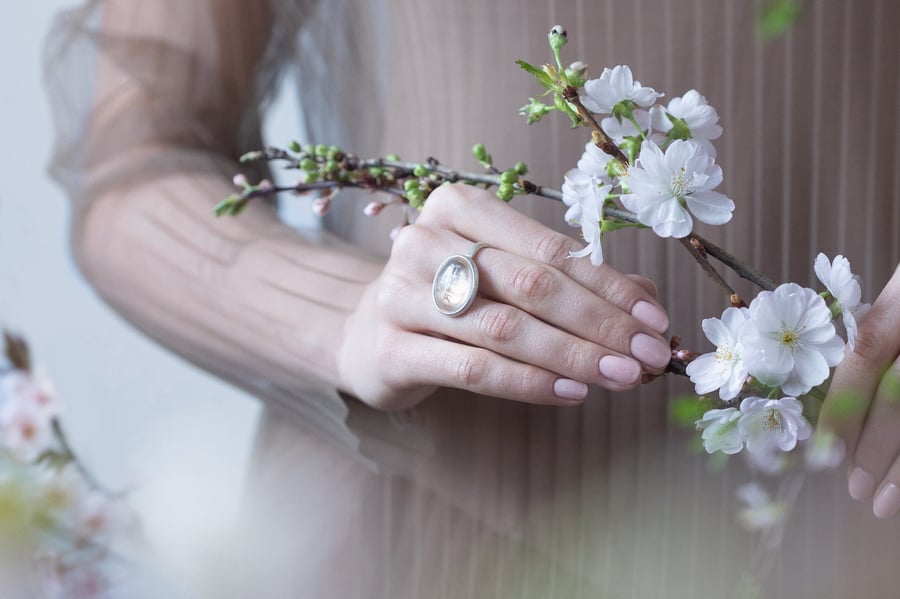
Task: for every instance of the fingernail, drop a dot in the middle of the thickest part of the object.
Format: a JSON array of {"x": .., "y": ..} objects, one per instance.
[
  {"x": 650, "y": 351},
  {"x": 620, "y": 370},
  {"x": 888, "y": 502},
  {"x": 861, "y": 484},
  {"x": 651, "y": 316},
  {"x": 569, "y": 389}
]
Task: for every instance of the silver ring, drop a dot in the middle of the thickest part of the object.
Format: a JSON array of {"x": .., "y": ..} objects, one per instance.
[{"x": 456, "y": 282}]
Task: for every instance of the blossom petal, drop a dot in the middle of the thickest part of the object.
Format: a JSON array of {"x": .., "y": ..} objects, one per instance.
[
  {"x": 710, "y": 207},
  {"x": 670, "y": 220}
]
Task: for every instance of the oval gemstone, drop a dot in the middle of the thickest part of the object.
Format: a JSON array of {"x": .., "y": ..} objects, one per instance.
[{"x": 455, "y": 284}]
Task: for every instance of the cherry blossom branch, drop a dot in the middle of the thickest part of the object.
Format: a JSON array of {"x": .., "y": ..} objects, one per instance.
[
  {"x": 598, "y": 135},
  {"x": 70, "y": 455},
  {"x": 355, "y": 172}
]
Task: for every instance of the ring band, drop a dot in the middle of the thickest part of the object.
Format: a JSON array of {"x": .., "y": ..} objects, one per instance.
[{"x": 456, "y": 282}]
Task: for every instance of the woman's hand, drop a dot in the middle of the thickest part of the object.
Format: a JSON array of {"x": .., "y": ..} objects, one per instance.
[
  {"x": 863, "y": 404},
  {"x": 542, "y": 328}
]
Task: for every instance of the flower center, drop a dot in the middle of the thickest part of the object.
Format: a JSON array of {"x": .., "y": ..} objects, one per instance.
[
  {"x": 29, "y": 431},
  {"x": 681, "y": 184},
  {"x": 771, "y": 421},
  {"x": 726, "y": 354},
  {"x": 789, "y": 338}
]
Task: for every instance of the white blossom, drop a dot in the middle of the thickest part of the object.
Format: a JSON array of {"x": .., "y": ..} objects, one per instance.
[
  {"x": 616, "y": 85},
  {"x": 723, "y": 369},
  {"x": 594, "y": 162},
  {"x": 98, "y": 516},
  {"x": 766, "y": 423},
  {"x": 760, "y": 511},
  {"x": 665, "y": 189},
  {"x": 789, "y": 339},
  {"x": 62, "y": 491},
  {"x": 844, "y": 287},
  {"x": 721, "y": 431},
  {"x": 618, "y": 130},
  {"x": 25, "y": 429},
  {"x": 585, "y": 195},
  {"x": 35, "y": 389},
  {"x": 824, "y": 451},
  {"x": 769, "y": 460},
  {"x": 692, "y": 108},
  {"x": 84, "y": 581}
]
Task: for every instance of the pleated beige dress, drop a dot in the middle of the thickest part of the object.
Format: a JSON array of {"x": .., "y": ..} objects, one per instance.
[{"x": 469, "y": 496}]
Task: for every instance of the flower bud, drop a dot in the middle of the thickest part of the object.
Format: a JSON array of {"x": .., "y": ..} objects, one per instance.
[
  {"x": 373, "y": 208},
  {"x": 509, "y": 177},
  {"x": 320, "y": 206},
  {"x": 534, "y": 110},
  {"x": 479, "y": 152},
  {"x": 557, "y": 37},
  {"x": 416, "y": 198},
  {"x": 392, "y": 157},
  {"x": 240, "y": 180},
  {"x": 576, "y": 69},
  {"x": 420, "y": 171},
  {"x": 294, "y": 146},
  {"x": 265, "y": 185},
  {"x": 521, "y": 168}
]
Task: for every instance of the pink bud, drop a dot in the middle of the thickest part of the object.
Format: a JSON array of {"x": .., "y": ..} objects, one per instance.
[
  {"x": 320, "y": 206},
  {"x": 240, "y": 180},
  {"x": 682, "y": 354},
  {"x": 266, "y": 185},
  {"x": 373, "y": 208}
]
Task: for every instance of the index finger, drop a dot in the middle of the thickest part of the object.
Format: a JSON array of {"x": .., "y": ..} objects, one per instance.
[
  {"x": 510, "y": 230},
  {"x": 858, "y": 375}
]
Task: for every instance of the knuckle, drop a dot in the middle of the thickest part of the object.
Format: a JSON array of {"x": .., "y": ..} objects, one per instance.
[
  {"x": 499, "y": 323},
  {"x": 528, "y": 385},
  {"x": 621, "y": 292},
  {"x": 441, "y": 204},
  {"x": 471, "y": 370},
  {"x": 533, "y": 281},
  {"x": 573, "y": 357},
  {"x": 407, "y": 241},
  {"x": 613, "y": 332},
  {"x": 553, "y": 249}
]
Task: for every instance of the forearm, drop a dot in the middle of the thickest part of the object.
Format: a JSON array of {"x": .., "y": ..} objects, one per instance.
[{"x": 247, "y": 298}]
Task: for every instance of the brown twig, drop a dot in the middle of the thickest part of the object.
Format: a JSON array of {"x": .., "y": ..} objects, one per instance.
[{"x": 598, "y": 135}]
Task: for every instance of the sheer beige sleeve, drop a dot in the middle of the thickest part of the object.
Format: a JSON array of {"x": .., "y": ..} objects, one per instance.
[{"x": 154, "y": 101}]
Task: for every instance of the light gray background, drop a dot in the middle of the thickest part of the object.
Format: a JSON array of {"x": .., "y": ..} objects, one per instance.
[{"x": 139, "y": 416}]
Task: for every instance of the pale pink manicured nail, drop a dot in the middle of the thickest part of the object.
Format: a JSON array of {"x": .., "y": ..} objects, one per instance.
[
  {"x": 861, "y": 484},
  {"x": 650, "y": 351},
  {"x": 620, "y": 370},
  {"x": 887, "y": 502},
  {"x": 651, "y": 316},
  {"x": 569, "y": 389}
]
